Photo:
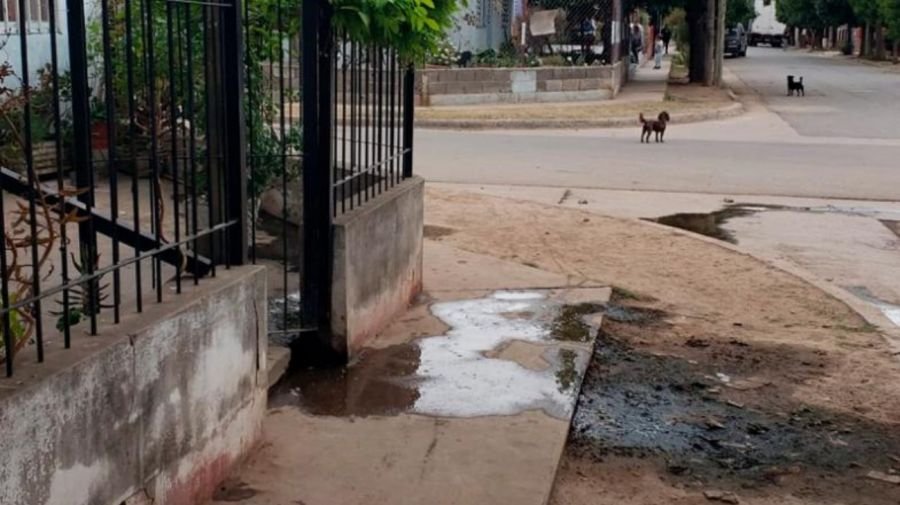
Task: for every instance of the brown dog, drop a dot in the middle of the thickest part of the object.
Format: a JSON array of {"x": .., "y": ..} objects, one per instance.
[{"x": 657, "y": 126}]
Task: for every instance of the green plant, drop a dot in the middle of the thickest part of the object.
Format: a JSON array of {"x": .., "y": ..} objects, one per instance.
[
  {"x": 677, "y": 23},
  {"x": 414, "y": 28},
  {"x": 444, "y": 54},
  {"x": 739, "y": 12},
  {"x": 554, "y": 60}
]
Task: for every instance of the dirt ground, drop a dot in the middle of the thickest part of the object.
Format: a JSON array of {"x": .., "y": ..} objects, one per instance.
[
  {"x": 574, "y": 111},
  {"x": 714, "y": 373}
]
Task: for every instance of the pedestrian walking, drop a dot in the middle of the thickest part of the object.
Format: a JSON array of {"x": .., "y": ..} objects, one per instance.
[{"x": 637, "y": 45}]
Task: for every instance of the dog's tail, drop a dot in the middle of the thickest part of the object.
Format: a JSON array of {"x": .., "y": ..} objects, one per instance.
[{"x": 641, "y": 117}]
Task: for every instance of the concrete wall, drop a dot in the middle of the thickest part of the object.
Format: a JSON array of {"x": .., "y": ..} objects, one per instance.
[
  {"x": 156, "y": 410},
  {"x": 377, "y": 264},
  {"x": 464, "y": 86}
]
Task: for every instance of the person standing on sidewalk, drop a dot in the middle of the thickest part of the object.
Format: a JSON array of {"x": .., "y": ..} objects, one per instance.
[
  {"x": 666, "y": 37},
  {"x": 657, "y": 54}
]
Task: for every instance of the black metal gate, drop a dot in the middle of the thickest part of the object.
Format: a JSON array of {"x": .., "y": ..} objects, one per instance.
[
  {"x": 139, "y": 141},
  {"x": 357, "y": 117}
]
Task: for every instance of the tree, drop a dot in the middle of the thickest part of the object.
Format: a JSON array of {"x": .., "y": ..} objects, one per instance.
[
  {"x": 869, "y": 12},
  {"x": 739, "y": 12},
  {"x": 890, "y": 12}
]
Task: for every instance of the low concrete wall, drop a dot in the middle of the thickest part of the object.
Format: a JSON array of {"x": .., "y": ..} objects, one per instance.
[
  {"x": 154, "y": 411},
  {"x": 467, "y": 86},
  {"x": 377, "y": 264}
]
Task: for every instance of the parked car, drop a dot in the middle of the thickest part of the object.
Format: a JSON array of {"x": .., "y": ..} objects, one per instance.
[{"x": 736, "y": 41}]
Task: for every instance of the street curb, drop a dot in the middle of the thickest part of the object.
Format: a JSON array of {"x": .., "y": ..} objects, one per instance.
[{"x": 731, "y": 110}]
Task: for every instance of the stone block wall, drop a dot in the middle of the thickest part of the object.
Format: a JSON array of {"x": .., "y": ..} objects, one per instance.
[{"x": 465, "y": 86}]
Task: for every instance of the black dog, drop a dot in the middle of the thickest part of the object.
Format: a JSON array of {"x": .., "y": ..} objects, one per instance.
[
  {"x": 657, "y": 126},
  {"x": 465, "y": 59},
  {"x": 795, "y": 86}
]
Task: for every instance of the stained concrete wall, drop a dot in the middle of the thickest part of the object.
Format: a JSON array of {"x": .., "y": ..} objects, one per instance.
[
  {"x": 462, "y": 86},
  {"x": 154, "y": 411},
  {"x": 377, "y": 264}
]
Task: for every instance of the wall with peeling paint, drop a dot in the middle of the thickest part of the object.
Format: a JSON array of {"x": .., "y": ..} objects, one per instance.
[{"x": 159, "y": 410}]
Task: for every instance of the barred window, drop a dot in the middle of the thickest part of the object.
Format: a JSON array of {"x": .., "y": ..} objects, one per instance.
[{"x": 37, "y": 15}]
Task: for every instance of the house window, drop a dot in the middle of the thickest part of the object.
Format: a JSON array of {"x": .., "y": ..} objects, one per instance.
[{"x": 37, "y": 15}]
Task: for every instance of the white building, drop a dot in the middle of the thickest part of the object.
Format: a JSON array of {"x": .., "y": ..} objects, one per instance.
[{"x": 36, "y": 36}]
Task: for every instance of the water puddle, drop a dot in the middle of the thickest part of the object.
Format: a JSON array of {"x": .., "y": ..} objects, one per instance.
[
  {"x": 506, "y": 353},
  {"x": 708, "y": 224},
  {"x": 711, "y": 224}
]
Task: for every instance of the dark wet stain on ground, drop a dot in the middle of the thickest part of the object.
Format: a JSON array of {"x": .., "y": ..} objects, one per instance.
[
  {"x": 569, "y": 324},
  {"x": 637, "y": 403},
  {"x": 435, "y": 232},
  {"x": 633, "y": 315},
  {"x": 234, "y": 492},
  {"x": 380, "y": 382},
  {"x": 567, "y": 374}
]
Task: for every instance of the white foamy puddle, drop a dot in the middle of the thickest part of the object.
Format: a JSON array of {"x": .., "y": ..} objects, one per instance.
[{"x": 459, "y": 380}]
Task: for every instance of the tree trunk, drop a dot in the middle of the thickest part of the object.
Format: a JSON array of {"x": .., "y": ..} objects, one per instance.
[
  {"x": 896, "y": 50},
  {"x": 879, "y": 42},
  {"x": 720, "y": 41},
  {"x": 695, "y": 11},
  {"x": 710, "y": 54},
  {"x": 867, "y": 41}
]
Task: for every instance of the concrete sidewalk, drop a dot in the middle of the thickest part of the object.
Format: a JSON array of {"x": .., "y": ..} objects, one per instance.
[{"x": 467, "y": 399}]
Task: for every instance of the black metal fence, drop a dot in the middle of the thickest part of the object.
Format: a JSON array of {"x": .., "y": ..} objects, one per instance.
[{"x": 140, "y": 141}]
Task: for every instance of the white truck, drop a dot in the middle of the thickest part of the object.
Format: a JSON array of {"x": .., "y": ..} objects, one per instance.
[{"x": 766, "y": 29}]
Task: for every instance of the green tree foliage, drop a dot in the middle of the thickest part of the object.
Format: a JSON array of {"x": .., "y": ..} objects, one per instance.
[
  {"x": 739, "y": 12},
  {"x": 413, "y": 27},
  {"x": 835, "y": 12},
  {"x": 890, "y": 13}
]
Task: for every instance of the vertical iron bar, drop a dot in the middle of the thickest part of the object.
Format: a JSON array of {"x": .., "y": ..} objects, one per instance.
[
  {"x": 235, "y": 151},
  {"x": 209, "y": 74},
  {"x": 193, "y": 138},
  {"x": 60, "y": 175},
  {"x": 8, "y": 342},
  {"x": 409, "y": 84},
  {"x": 284, "y": 176},
  {"x": 346, "y": 61},
  {"x": 366, "y": 125},
  {"x": 317, "y": 174},
  {"x": 173, "y": 131},
  {"x": 155, "y": 186},
  {"x": 27, "y": 148},
  {"x": 252, "y": 162},
  {"x": 132, "y": 132},
  {"x": 81, "y": 143},
  {"x": 380, "y": 121},
  {"x": 112, "y": 169},
  {"x": 392, "y": 114}
]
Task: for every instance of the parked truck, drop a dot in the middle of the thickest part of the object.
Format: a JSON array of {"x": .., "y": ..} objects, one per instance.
[{"x": 766, "y": 29}]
